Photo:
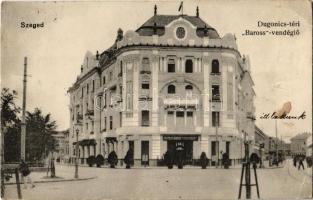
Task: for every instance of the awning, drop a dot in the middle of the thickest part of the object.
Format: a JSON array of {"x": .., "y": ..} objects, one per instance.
[
  {"x": 86, "y": 142},
  {"x": 110, "y": 139}
]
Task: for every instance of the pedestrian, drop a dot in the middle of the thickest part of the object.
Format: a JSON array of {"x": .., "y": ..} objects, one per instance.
[
  {"x": 24, "y": 169},
  {"x": 295, "y": 161},
  {"x": 301, "y": 163}
]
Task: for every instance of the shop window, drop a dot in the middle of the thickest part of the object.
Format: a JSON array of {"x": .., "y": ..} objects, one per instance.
[
  {"x": 215, "y": 67},
  {"x": 171, "y": 66},
  {"x": 171, "y": 89},
  {"x": 189, "y": 66}
]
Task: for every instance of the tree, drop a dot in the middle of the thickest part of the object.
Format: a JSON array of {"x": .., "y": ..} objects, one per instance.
[
  {"x": 39, "y": 139},
  {"x": 10, "y": 125}
]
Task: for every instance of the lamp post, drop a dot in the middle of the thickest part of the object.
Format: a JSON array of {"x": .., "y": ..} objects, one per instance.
[{"x": 76, "y": 160}]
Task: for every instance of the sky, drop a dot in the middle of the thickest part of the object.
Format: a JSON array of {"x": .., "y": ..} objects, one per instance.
[{"x": 280, "y": 65}]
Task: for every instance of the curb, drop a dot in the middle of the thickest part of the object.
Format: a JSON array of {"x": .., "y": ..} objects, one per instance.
[{"x": 60, "y": 180}]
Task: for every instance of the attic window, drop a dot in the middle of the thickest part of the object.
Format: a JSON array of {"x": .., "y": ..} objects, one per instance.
[{"x": 180, "y": 32}]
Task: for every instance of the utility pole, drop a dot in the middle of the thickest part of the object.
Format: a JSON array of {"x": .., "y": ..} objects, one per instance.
[
  {"x": 276, "y": 143},
  {"x": 23, "y": 124}
]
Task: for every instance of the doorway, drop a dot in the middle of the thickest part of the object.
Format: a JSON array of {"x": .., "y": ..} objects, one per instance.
[{"x": 180, "y": 145}]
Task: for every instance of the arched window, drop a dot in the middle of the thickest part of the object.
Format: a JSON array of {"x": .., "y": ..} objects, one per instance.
[
  {"x": 189, "y": 66},
  {"x": 215, "y": 67},
  {"x": 188, "y": 87},
  {"x": 171, "y": 89}
]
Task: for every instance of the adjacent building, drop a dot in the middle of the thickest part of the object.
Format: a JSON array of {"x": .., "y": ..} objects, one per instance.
[
  {"x": 299, "y": 144},
  {"x": 173, "y": 83},
  {"x": 62, "y": 146}
]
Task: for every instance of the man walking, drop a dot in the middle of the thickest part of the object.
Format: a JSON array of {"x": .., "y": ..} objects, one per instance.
[
  {"x": 301, "y": 163},
  {"x": 24, "y": 169}
]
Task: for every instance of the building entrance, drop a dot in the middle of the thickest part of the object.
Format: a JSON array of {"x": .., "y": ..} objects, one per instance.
[{"x": 181, "y": 148}]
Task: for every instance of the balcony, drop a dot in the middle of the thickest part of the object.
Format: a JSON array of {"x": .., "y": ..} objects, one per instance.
[
  {"x": 79, "y": 117},
  {"x": 181, "y": 102},
  {"x": 216, "y": 98},
  {"x": 89, "y": 113},
  {"x": 145, "y": 71}
]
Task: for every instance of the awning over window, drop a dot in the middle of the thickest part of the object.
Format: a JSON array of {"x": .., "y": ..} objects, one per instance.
[{"x": 86, "y": 142}]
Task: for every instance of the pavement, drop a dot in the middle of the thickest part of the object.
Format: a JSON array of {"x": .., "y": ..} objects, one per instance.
[
  {"x": 62, "y": 175},
  {"x": 286, "y": 182}
]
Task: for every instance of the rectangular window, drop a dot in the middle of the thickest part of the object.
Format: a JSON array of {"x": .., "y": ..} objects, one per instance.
[
  {"x": 215, "y": 119},
  {"x": 170, "y": 112},
  {"x": 105, "y": 123},
  {"x": 145, "y": 118},
  {"x": 171, "y": 66},
  {"x": 110, "y": 75},
  {"x": 111, "y": 122},
  {"x": 131, "y": 145},
  {"x": 189, "y": 114},
  {"x": 121, "y": 119},
  {"x": 145, "y": 86},
  {"x": 103, "y": 80},
  {"x": 214, "y": 146},
  {"x": 180, "y": 114},
  {"x": 93, "y": 85},
  {"x": 215, "y": 92},
  {"x": 82, "y": 92},
  {"x": 227, "y": 147},
  {"x": 87, "y": 88}
]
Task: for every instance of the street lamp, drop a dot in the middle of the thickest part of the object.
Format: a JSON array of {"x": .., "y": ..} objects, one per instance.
[{"x": 76, "y": 160}]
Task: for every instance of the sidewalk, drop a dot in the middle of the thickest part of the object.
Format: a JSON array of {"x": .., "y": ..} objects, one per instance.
[{"x": 42, "y": 177}]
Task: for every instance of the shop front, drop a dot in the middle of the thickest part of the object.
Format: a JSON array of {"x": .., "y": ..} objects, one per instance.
[{"x": 181, "y": 147}]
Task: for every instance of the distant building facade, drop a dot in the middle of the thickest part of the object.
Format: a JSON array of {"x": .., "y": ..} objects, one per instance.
[
  {"x": 299, "y": 144},
  {"x": 62, "y": 146},
  {"x": 174, "y": 82}
]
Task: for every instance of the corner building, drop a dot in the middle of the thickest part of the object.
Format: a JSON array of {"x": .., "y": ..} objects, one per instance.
[{"x": 172, "y": 83}]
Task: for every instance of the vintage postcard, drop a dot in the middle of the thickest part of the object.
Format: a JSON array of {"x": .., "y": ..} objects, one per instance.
[{"x": 207, "y": 99}]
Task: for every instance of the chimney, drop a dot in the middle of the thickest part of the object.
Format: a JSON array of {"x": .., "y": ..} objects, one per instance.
[
  {"x": 155, "y": 10},
  {"x": 197, "y": 13}
]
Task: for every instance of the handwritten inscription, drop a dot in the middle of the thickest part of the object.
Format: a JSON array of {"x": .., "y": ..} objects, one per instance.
[{"x": 285, "y": 116}]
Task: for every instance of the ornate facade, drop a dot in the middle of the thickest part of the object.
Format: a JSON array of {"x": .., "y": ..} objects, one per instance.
[{"x": 174, "y": 82}]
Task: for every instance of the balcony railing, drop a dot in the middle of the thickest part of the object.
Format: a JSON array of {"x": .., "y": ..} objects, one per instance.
[
  {"x": 145, "y": 71},
  {"x": 89, "y": 113},
  {"x": 216, "y": 98}
]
